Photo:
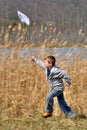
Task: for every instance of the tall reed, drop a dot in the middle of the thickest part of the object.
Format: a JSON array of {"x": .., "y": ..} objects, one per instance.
[{"x": 23, "y": 87}]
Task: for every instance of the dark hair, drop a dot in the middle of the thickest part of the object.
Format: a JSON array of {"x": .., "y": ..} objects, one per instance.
[{"x": 51, "y": 59}]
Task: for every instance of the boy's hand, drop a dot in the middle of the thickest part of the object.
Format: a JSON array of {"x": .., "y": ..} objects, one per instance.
[
  {"x": 68, "y": 85},
  {"x": 32, "y": 58}
]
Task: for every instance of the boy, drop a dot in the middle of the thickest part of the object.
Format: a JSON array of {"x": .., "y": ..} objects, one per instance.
[{"x": 54, "y": 76}]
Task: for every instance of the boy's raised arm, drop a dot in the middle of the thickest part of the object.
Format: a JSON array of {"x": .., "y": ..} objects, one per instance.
[{"x": 38, "y": 62}]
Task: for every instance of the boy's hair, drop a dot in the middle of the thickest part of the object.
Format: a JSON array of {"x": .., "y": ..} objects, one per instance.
[{"x": 51, "y": 59}]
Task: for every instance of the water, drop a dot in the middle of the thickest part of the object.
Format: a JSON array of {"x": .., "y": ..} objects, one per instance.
[{"x": 60, "y": 53}]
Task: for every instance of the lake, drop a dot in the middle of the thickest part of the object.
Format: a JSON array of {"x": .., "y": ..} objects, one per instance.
[{"x": 60, "y": 53}]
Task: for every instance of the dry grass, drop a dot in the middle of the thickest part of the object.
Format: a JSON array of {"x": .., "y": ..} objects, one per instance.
[
  {"x": 23, "y": 89},
  {"x": 20, "y": 88},
  {"x": 14, "y": 36}
]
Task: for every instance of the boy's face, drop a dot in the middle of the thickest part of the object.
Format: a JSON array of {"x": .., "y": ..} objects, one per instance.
[{"x": 48, "y": 64}]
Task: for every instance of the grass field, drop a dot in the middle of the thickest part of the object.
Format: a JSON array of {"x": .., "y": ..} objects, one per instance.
[
  {"x": 37, "y": 123},
  {"x": 23, "y": 90}
]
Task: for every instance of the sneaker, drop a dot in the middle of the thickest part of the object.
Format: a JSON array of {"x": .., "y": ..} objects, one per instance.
[
  {"x": 47, "y": 114},
  {"x": 72, "y": 115}
]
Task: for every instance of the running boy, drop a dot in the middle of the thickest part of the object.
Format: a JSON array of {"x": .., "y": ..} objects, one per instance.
[{"x": 54, "y": 76}]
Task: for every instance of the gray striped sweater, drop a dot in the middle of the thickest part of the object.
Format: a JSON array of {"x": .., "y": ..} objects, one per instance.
[{"x": 55, "y": 79}]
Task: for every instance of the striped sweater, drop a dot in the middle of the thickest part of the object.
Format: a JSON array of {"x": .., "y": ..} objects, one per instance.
[{"x": 56, "y": 76}]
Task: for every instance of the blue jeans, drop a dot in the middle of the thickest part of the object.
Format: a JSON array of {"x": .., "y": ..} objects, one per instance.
[{"x": 62, "y": 103}]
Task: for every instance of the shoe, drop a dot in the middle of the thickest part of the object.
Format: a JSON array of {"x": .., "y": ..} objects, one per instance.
[
  {"x": 72, "y": 115},
  {"x": 47, "y": 114}
]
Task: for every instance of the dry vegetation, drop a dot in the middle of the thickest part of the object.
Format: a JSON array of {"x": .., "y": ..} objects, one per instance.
[
  {"x": 38, "y": 36},
  {"x": 23, "y": 86},
  {"x": 23, "y": 89}
]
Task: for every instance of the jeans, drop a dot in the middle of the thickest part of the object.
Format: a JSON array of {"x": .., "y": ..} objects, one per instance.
[{"x": 62, "y": 103}]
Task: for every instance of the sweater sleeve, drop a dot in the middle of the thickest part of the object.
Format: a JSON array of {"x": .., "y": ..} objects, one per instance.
[
  {"x": 40, "y": 63},
  {"x": 59, "y": 73},
  {"x": 65, "y": 76}
]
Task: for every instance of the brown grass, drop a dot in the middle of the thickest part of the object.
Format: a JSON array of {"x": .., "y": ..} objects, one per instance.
[
  {"x": 23, "y": 87},
  {"x": 20, "y": 35}
]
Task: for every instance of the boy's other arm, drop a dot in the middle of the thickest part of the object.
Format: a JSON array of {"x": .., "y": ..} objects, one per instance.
[
  {"x": 38, "y": 62},
  {"x": 62, "y": 74},
  {"x": 66, "y": 77}
]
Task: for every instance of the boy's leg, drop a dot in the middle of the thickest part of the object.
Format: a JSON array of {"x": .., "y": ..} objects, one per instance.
[
  {"x": 50, "y": 101},
  {"x": 64, "y": 107}
]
